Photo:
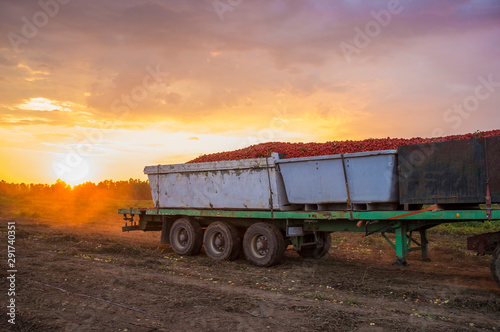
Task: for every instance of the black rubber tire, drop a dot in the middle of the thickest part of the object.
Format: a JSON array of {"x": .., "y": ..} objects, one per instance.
[
  {"x": 186, "y": 237},
  {"x": 495, "y": 265},
  {"x": 222, "y": 241},
  {"x": 270, "y": 240},
  {"x": 320, "y": 251}
]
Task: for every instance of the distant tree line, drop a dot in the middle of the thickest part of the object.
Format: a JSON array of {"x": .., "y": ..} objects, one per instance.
[{"x": 133, "y": 189}]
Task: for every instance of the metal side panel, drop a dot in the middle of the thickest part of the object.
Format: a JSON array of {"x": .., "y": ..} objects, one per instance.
[
  {"x": 493, "y": 166},
  {"x": 371, "y": 178},
  {"x": 445, "y": 172},
  {"x": 242, "y": 184}
]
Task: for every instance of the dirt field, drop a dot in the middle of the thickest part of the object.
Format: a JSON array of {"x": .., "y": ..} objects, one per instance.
[{"x": 78, "y": 272}]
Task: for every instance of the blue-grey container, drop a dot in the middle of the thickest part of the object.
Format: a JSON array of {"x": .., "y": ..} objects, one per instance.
[
  {"x": 371, "y": 178},
  {"x": 311, "y": 183}
]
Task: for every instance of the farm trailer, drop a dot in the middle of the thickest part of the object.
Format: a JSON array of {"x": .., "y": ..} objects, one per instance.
[{"x": 263, "y": 205}]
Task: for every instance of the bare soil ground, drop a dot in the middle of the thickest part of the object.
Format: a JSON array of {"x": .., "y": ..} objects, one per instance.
[{"x": 78, "y": 272}]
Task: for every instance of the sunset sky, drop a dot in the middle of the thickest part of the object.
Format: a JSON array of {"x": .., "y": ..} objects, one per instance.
[{"x": 94, "y": 90}]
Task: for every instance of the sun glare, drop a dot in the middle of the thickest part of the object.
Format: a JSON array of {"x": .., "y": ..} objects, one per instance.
[{"x": 73, "y": 173}]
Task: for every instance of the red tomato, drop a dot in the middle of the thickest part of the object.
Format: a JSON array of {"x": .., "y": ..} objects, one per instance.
[{"x": 293, "y": 150}]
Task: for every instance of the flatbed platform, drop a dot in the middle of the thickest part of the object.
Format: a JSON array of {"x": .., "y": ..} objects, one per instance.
[{"x": 431, "y": 214}]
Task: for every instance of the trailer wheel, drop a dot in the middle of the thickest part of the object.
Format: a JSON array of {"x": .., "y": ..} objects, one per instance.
[
  {"x": 263, "y": 244},
  {"x": 495, "y": 265},
  {"x": 186, "y": 237},
  {"x": 222, "y": 241},
  {"x": 319, "y": 251}
]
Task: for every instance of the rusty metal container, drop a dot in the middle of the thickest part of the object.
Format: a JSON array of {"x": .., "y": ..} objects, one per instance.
[
  {"x": 230, "y": 184},
  {"x": 455, "y": 172}
]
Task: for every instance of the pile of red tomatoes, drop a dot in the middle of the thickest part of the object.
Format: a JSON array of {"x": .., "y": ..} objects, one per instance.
[{"x": 294, "y": 150}]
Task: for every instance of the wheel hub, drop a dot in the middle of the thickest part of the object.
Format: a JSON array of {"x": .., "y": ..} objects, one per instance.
[
  {"x": 183, "y": 236},
  {"x": 262, "y": 245},
  {"x": 219, "y": 242}
]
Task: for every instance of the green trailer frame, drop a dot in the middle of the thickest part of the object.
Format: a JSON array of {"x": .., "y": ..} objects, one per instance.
[{"x": 403, "y": 224}]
